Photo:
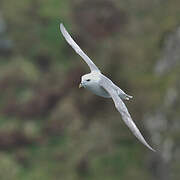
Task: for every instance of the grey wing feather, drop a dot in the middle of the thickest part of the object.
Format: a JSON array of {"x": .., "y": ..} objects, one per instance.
[
  {"x": 78, "y": 50},
  {"x": 119, "y": 104}
]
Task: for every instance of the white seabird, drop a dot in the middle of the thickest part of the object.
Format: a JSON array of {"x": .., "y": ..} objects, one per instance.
[{"x": 102, "y": 86}]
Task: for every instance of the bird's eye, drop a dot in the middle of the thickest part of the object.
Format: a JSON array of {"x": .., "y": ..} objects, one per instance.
[{"x": 88, "y": 80}]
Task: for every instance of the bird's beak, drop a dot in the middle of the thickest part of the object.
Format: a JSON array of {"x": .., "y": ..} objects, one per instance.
[{"x": 80, "y": 85}]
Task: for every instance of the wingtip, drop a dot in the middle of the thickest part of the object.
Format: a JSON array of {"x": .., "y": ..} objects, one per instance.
[
  {"x": 61, "y": 25},
  {"x": 150, "y": 148}
]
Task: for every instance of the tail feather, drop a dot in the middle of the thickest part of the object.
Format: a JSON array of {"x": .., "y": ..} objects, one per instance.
[{"x": 125, "y": 96}]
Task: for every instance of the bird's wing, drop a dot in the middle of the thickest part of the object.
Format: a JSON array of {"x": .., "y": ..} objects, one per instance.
[
  {"x": 121, "y": 107},
  {"x": 78, "y": 50}
]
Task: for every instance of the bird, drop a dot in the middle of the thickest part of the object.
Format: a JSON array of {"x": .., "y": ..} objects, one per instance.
[{"x": 102, "y": 86}]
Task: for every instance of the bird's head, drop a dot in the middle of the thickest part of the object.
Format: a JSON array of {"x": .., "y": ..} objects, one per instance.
[{"x": 89, "y": 79}]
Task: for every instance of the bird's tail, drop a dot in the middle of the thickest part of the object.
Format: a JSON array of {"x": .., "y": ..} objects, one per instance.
[{"x": 125, "y": 96}]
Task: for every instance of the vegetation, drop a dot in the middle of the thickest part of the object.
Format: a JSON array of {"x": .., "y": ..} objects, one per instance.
[{"x": 49, "y": 129}]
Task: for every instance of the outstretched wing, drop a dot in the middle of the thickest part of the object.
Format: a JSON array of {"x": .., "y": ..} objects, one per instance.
[
  {"x": 78, "y": 50},
  {"x": 121, "y": 107}
]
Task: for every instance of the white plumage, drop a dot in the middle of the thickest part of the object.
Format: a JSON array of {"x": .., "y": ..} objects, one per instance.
[{"x": 102, "y": 86}]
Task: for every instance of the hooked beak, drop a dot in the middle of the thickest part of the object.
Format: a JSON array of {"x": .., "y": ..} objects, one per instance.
[{"x": 80, "y": 85}]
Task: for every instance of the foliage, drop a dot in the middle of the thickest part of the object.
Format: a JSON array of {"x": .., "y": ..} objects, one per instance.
[{"x": 49, "y": 129}]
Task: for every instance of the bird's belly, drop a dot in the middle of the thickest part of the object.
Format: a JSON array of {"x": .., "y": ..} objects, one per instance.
[{"x": 99, "y": 91}]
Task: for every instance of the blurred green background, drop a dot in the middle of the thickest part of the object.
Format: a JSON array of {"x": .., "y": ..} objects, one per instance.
[{"x": 50, "y": 129}]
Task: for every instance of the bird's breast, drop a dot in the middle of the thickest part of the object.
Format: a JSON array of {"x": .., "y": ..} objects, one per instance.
[{"x": 98, "y": 90}]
